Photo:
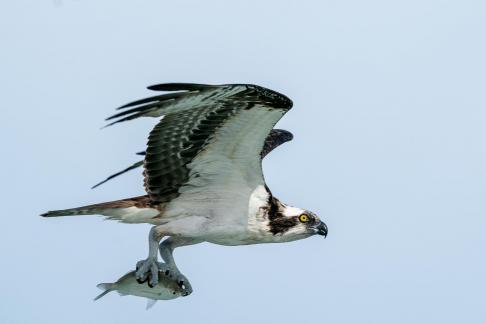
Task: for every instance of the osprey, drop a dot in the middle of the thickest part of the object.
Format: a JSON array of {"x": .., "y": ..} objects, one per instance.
[{"x": 203, "y": 174}]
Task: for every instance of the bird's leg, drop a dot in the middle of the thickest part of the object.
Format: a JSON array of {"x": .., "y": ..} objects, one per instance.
[
  {"x": 169, "y": 268},
  {"x": 148, "y": 269}
]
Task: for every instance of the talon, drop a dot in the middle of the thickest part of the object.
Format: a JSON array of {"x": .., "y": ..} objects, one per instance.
[
  {"x": 154, "y": 275},
  {"x": 147, "y": 270},
  {"x": 139, "y": 264}
]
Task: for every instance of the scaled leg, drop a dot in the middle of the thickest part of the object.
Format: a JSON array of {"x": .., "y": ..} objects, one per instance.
[{"x": 148, "y": 269}]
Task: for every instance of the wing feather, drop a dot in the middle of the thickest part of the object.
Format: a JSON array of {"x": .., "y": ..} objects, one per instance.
[
  {"x": 131, "y": 167},
  {"x": 207, "y": 133},
  {"x": 178, "y": 86},
  {"x": 276, "y": 138}
]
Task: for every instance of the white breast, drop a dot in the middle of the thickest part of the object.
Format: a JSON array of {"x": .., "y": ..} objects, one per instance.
[
  {"x": 256, "y": 215},
  {"x": 253, "y": 231}
]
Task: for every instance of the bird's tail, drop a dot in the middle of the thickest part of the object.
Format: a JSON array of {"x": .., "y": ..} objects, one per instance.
[
  {"x": 70, "y": 212},
  {"x": 107, "y": 208}
]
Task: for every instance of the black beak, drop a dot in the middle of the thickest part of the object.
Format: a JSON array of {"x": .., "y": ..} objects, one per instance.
[{"x": 321, "y": 229}]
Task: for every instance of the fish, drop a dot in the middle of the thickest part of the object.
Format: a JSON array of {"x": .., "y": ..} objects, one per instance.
[{"x": 166, "y": 289}]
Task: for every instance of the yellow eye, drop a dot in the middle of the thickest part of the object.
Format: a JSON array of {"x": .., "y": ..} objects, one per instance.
[{"x": 304, "y": 218}]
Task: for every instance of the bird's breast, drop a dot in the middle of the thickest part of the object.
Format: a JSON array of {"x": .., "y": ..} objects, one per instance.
[{"x": 253, "y": 227}]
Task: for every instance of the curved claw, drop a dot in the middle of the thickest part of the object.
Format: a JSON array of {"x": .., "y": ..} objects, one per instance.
[
  {"x": 150, "y": 281},
  {"x": 166, "y": 270},
  {"x": 147, "y": 270}
]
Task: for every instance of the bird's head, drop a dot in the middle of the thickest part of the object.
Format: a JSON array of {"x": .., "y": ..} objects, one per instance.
[{"x": 293, "y": 223}]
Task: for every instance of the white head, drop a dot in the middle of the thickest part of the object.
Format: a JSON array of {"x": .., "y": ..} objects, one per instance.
[{"x": 293, "y": 223}]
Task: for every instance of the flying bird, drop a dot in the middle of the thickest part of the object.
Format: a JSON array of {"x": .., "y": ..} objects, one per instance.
[{"x": 203, "y": 174}]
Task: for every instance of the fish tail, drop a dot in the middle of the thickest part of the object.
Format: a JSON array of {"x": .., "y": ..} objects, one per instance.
[{"x": 107, "y": 287}]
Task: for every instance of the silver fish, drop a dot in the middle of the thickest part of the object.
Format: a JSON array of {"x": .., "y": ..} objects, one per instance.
[{"x": 166, "y": 289}]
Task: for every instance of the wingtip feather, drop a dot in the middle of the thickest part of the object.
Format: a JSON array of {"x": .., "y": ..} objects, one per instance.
[{"x": 178, "y": 86}]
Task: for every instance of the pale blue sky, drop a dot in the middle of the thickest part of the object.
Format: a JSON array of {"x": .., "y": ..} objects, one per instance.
[{"x": 390, "y": 125}]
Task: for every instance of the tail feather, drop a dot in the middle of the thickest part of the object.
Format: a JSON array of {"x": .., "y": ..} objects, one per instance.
[
  {"x": 140, "y": 202},
  {"x": 70, "y": 212},
  {"x": 130, "y": 210}
]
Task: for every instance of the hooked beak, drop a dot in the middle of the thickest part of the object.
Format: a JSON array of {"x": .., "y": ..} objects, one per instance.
[{"x": 321, "y": 229}]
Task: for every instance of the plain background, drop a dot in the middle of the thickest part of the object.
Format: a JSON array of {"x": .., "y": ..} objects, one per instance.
[{"x": 389, "y": 122}]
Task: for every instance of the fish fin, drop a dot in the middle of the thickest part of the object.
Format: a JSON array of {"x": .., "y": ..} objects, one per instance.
[
  {"x": 150, "y": 303},
  {"x": 107, "y": 287}
]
